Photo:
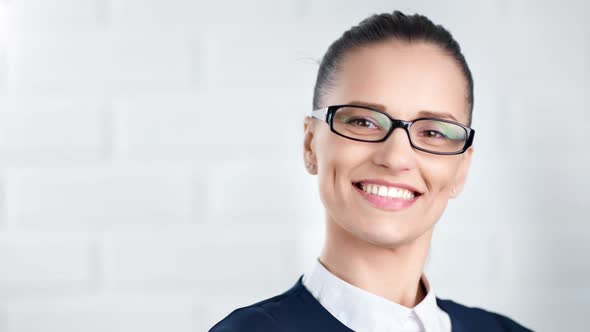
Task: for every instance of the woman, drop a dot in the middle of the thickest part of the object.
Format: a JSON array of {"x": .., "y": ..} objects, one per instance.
[{"x": 383, "y": 189}]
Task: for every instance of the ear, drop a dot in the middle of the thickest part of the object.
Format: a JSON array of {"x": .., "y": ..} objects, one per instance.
[
  {"x": 309, "y": 155},
  {"x": 461, "y": 174}
]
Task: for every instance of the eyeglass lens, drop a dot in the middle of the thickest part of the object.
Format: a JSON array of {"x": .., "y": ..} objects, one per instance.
[{"x": 368, "y": 125}]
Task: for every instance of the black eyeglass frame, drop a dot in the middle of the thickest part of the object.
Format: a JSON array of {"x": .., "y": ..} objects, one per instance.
[{"x": 327, "y": 114}]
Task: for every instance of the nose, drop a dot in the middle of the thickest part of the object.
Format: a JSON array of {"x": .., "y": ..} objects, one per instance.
[{"x": 396, "y": 152}]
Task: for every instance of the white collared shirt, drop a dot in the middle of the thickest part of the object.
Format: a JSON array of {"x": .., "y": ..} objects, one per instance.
[{"x": 362, "y": 311}]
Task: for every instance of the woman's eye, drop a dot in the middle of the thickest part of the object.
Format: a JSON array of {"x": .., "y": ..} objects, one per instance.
[
  {"x": 432, "y": 133},
  {"x": 362, "y": 122}
]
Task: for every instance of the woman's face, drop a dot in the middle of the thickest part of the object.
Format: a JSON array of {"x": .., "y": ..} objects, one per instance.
[{"x": 403, "y": 80}]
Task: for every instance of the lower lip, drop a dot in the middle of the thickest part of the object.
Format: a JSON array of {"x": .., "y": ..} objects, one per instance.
[{"x": 386, "y": 203}]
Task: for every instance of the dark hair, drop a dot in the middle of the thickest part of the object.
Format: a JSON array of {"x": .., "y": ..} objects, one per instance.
[{"x": 381, "y": 27}]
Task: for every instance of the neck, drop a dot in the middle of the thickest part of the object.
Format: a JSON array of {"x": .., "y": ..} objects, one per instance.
[{"x": 390, "y": 272}]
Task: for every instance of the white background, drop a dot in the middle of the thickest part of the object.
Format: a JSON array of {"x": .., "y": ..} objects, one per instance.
[{"x": 151, "y": 169}]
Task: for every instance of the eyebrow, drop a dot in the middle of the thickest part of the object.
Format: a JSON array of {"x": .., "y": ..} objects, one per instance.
[
  {"x": 421, "y": 113},
  {"x": 440, "y": 115}
]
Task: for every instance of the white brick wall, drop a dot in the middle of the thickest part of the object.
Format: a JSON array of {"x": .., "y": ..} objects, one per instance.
[
  {"x": 186, "y": 126},
  {"x": 51, "y": 129},
  {"x": 146, "y": 311},
  {"x": 99, "y": 61},
  {"x": 92, "y": 198},
  {"x": 33, "y": 260},
  {"x": 125, "y": 207}
]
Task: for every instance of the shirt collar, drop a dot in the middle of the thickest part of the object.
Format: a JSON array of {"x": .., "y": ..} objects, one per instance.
[
  {"x": 428, "y": 310},
  {"x": 364, "y": 311}
]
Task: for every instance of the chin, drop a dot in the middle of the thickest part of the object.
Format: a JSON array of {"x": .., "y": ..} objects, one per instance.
[{"x": 384, "y": 233}]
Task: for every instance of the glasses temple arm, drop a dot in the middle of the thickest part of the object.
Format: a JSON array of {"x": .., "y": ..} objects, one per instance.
[{"x": 320, "y": 114}]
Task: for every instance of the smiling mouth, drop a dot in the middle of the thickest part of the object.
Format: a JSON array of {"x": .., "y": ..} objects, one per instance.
[{"x": 387, "y": 191}]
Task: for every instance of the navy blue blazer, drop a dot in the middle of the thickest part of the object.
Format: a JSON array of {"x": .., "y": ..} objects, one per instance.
[{"x": 297, "y": 310}]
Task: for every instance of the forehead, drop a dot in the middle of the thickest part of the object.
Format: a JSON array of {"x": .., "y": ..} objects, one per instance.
[{"x": 404, "y": 79}]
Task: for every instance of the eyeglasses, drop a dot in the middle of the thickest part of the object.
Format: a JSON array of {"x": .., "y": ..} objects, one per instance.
[{"x": 365, "y": 124}]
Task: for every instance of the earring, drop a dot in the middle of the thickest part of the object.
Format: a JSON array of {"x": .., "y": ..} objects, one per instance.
[
  {"x": 309, "y": 166},
  {"x": 453, "y": 192}
]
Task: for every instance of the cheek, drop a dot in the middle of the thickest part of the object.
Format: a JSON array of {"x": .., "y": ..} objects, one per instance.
[
  {"x": 337, "y": 159},
  {"x": 340, "y": 155},
  {"x": 439, "y": 174}
]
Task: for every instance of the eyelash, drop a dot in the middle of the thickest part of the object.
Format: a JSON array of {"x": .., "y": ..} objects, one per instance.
[{"x": 353, "y": 120}]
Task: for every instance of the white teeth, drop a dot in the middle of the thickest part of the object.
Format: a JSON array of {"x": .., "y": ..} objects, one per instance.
[
  {"x": 373, "y": 189},
  {"x": 384, "y": 191},
  {"x": 392, "y": 192}
]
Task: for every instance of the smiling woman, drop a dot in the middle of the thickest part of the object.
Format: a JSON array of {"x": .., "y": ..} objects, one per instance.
[{"x": 383, "y": 189}]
